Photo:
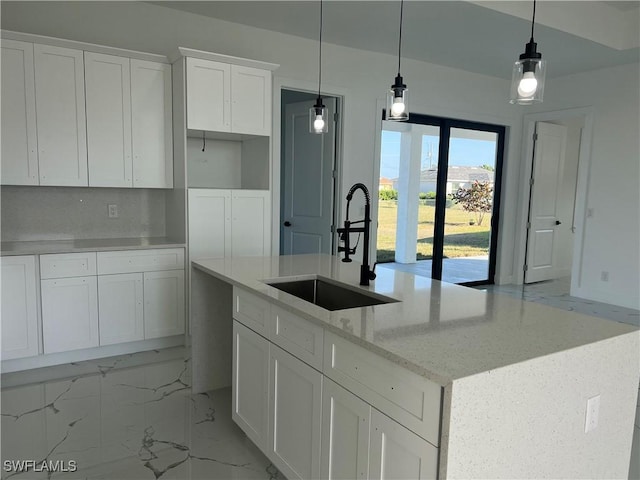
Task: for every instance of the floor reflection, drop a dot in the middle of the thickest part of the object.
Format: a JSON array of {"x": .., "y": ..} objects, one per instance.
[{"x": 121, "y": 418}]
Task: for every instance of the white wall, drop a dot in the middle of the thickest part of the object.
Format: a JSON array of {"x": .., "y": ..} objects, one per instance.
[{"x": 611, "y": 236}]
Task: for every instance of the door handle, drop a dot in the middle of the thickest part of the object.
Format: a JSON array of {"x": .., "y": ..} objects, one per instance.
[
  {"x": 287, "y": 223},
  {"x": 558, "y": 222}
]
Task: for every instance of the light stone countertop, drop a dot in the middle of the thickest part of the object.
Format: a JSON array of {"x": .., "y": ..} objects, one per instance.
[
  {"x": 43, "y": 247},
  {"x": 438, "y": 330}
]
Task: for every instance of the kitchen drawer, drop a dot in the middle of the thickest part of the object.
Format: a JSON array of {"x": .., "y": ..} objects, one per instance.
[
  {"x": 67, "y": 265},
  {"x": 131, "y": 261},
  {"x": 410, "y": 399},
  {"x": 297, "y": 336},
  {"x": 252, "y": 311}
]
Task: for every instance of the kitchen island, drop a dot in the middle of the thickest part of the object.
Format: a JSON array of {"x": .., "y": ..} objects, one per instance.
[{"x": 518, "y": 383}]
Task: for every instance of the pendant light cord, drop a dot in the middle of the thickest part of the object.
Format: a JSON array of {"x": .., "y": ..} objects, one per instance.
[
  {"x": 400, "y": 36},
  {"x": 320, "y": 53},
  {"x": 533, "y": 20}
]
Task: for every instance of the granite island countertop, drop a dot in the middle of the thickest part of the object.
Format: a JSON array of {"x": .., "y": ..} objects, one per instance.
[
  {"x": 43, "y": 247},
  {"x": 438, "y": 330}
]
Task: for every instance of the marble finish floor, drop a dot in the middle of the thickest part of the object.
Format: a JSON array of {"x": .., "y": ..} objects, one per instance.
[{"x": 130, "y": 417}]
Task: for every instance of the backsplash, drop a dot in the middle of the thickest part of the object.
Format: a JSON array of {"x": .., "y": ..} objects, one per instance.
[{"x": 66, "y": 213}]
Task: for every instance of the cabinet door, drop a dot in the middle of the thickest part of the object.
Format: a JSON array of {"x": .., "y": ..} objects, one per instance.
[
  {"x": 60, "y": 113},
  {"x": 152, "y": 128},
  {"x": 209, "y": 223},
  {"x": 19, "y": 141},
  {"x": 250, "y": 100},
  {"x": 396, "y": 452},
  {"x": 250, "y": 390},
  {"x": 295, "y": 415},
  {"x": 108, "y": 95},
  {"x": 69, "y": 313},
  {"x": 19, "y": 307},
  {"x": 208, "y": 95},
  {"x": 120, "y": 300},
  {"x": 250, "y": 223},
  {"x": 163, "y": 303},
  {"x": 345, "y": 434}
]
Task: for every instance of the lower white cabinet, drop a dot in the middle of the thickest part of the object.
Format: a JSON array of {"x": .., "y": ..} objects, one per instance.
[
  {"x": 163, "y": 303},
  {"x": 19, "y": 306},
  {"x": 121, "y": 309},
  {"x": 69, "y": 313},
  {"x": 295, "y": 404},
  {"x": 396, "y": 452},
  {"x": 250, "y": 390},
  {"x": 345, "y": 434}
]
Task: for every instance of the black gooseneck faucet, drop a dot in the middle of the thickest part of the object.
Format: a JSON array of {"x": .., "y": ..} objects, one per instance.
[{"x": 366, "y": 274}]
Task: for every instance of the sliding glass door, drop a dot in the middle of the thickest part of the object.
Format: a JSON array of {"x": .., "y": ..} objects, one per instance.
[{"x": 439, "y": 195}]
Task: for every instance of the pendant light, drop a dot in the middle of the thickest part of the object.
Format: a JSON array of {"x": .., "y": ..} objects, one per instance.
[
  {"x": 527, "y": 83},
  {"x": 397, "y": 105},
  {"x": 318, "y": 113}
]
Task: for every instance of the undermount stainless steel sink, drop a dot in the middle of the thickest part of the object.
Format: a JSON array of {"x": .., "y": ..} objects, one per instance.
[{"x": 328, "y": 294}]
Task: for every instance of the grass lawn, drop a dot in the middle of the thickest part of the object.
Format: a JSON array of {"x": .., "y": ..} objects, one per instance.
[{"x": 460, "y": 238}]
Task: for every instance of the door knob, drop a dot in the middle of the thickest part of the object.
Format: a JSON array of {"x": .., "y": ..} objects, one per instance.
[
  {"x": 287, "y": 223},
  {"x": 558, "y": 222}
]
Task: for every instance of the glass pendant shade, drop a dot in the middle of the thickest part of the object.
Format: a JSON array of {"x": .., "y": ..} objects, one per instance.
[
  {"x": 527, "y": 82},
  {"x": 318, "y": 122},
  {"x": 397, "y": 101}
]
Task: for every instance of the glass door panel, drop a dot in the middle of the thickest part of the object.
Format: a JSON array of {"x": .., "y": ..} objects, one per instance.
[
  {"x": 470, "y": 190},
  {"x": 407, "y": 194}
]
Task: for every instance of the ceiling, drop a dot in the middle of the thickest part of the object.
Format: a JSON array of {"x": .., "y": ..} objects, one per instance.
[{"x": 458, "y": 34}]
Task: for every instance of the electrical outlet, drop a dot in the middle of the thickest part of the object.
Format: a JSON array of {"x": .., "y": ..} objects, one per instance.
[
  {"x": 604, "y": 276},
  {"x": 113, "y": 211},
  {"x": 593, "y": 412}
]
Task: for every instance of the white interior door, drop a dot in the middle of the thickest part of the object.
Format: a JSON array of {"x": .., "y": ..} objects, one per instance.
[
  {"x": 548, "y": 166},
  {"x": 307, "y": 208}
]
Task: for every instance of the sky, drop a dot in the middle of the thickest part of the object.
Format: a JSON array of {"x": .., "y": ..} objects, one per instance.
[{"x": 462, "y": 151}]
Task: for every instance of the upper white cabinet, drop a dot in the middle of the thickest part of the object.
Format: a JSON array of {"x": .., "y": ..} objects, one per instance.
[
  {"x": 72, "y": 117},
  {"x": 128, "y": 122},
  {"x": 152, "y": 127},
  {"x": 108, "y": 92},
  {"x": 224, "y": 97},
  {"x": 19, "y": 142},
  {"x": 250, "y": 100},
  {"x": 208, "y": 95},
  {"x": 19, "y": 306},
  {"x": 60, "y": 114}
]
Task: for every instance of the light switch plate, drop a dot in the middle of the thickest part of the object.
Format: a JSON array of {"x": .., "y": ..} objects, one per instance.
[{"x": 593, "y": 412}]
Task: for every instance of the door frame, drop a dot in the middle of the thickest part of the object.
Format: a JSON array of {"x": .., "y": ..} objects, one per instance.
[
  {"x": 580, "y": 208},
  {"x": 283, "y": 83},
  {"x": 445, "y": 124}
]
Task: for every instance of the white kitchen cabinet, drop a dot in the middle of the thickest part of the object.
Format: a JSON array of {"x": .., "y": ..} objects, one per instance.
[
  {"x": 209, "y": 223},
  {"x": 121, "y": 309},
  {"x": 223, "y": 97},
  {"x": 19, "y": 140},
  {"x": 250, "y": 100},
  {"x": 164, "y": 308},
  {"x": 295, "y": 404},
  {"x": 396, "y": 452},
  {"x": 69, "y": 313},
  {"x": 129, "y": 127},
  {"x": 208, "y": 95},
  {"x": 151, "y": 123},
  {"x": 19, "y": 306},
  {"x": 108, "y": 97},
  {"x": 345, "y": 435},
  {"x": 60, "y": 115},
  {"x": 226, "y": 223},
  {"x": 250, "y": 223},
  {"x": 250, "y": 389}
]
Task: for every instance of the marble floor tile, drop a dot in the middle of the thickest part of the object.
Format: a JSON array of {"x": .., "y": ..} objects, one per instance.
[{"x": 130, "y": 417}]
